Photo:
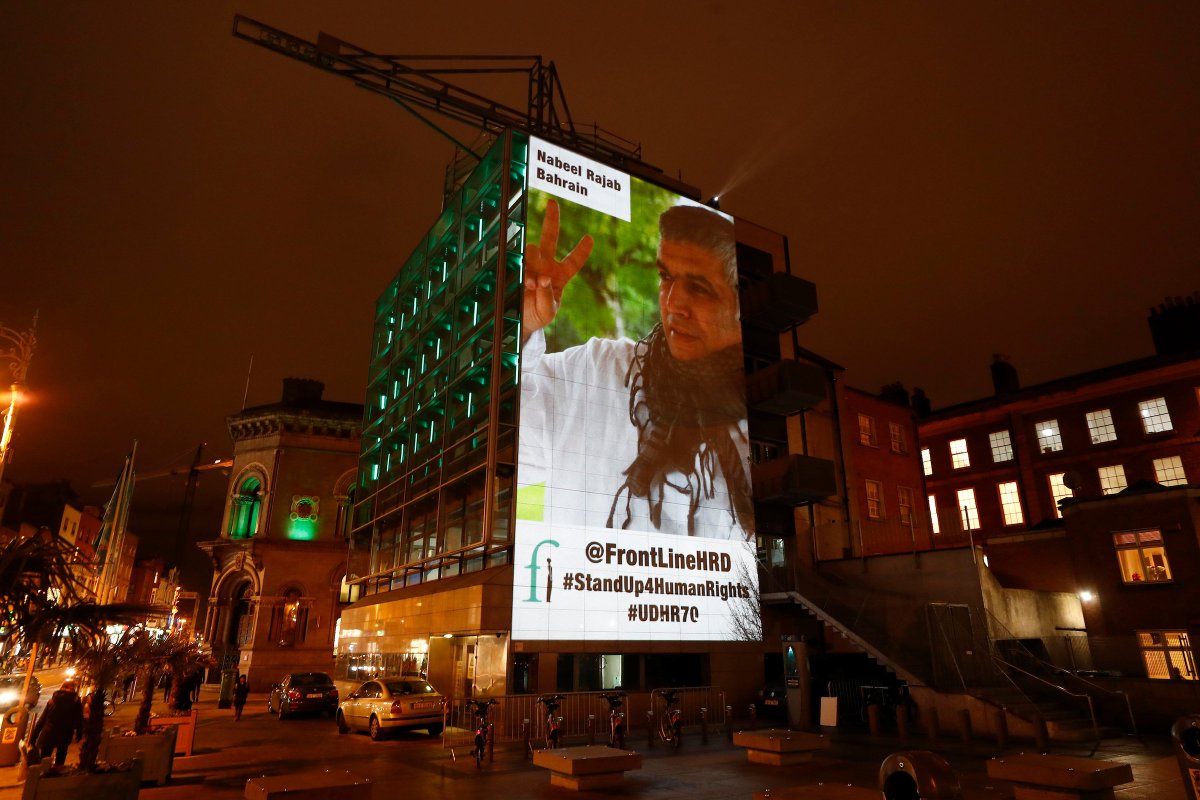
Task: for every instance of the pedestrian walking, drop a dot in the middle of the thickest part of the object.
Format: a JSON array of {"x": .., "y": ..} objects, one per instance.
[
  {"x": 62, "y": 719},
  {"x": 240, "y": 693}
]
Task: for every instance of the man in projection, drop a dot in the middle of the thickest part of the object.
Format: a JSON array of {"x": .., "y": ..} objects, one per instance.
[{"x": 648, "y": 435}]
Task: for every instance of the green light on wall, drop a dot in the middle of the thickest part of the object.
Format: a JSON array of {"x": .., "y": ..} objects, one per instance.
[{"x": 303, "y": 521}]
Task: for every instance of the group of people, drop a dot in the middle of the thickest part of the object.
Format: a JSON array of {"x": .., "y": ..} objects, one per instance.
[{"x": 62, "y": 721}]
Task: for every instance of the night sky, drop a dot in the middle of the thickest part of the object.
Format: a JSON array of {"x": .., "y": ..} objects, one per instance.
[{"x": 958, "y": 179}]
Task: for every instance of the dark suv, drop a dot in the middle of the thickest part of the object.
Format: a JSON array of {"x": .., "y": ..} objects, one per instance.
[{"x": 303, "y": 691}]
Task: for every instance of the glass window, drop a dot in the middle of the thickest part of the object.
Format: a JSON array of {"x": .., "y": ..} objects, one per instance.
[
  {"x": 1001, "y": 442},
  {"x": 905, "y": 496},
  {"x": 1010, "y": 503},
  {"x": 1168, "y": 655},
  {"x": 959, "y": 457},
  {"x": 1049, "y": 440},
  {"x": 349, "y": 592},
  {"x": 926, "y": 461},
  {"x": 1155, "y": 417},
  {"x": 1100, "y": 426},
  {"x": 1169, "y": 471},
  {"x": 933, "y": 517},
  {"x": 874, "y": 500},
  {"x": 245, "y": 509},
  {"x": 1141, "y": 556},
  {"x": 899, "y": 441},
  {"x": 866, "y": 430},
  {"x": 1112, "y": 479},
  {"x": 968, "y": 514},
  {"x": 1058, "y": 491}
]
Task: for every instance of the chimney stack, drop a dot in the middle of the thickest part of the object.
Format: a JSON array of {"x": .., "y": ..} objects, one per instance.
[
  {"x": 1004, "y": 375},
  {"x": 1175, "y": 325},
  {"x": 302, "y": 391},
  {"x": 920, "y": 403}
]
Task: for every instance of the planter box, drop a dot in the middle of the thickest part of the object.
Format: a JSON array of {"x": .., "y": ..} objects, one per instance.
[
  {"x": 107, "y": 786},
  {"x": 185, "y": 737},
  {"x": 157, "y": 749}
]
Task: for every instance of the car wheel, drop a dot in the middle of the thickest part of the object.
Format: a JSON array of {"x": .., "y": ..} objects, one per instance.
[
  {"x": 435, "y": 730},
  {"x": 341, "y": 723},
  {"x": 374, "y": 730}
]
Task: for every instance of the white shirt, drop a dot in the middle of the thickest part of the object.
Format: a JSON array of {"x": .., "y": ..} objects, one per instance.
[{"x": 577, "y": 440}]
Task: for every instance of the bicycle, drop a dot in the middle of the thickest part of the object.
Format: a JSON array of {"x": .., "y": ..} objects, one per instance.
[
  {"x": 553, "y": 723},
  {"x": 616, "y": 719},
  {"x": 670, "y": 722},
  {"x": 482, "y": 730}
]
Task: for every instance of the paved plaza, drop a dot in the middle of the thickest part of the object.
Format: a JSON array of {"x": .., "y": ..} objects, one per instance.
[{"x": 414, "y": 765}]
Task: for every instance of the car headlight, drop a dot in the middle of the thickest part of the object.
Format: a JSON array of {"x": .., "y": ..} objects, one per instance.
[{"x": 8, "y": 697}]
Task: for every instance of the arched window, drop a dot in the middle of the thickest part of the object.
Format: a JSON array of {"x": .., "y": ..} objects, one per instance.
[{"x": 245, "y": 509}]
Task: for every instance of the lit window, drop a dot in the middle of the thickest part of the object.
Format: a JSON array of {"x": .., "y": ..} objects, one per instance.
[
  {"x": 1168, "y": 655},
  {"x": 245, "y": 509},
  {"x": 874, "y": 500},
  {"x": 1001, "y": 443},
  {"x": 1112, "y": 479},
  {"x": 899, "y": 441},
  {"x": 906, "y": 504},
  {"x": 349, "y": 592},
  {"x": 926, "y": 461},
  {"x": 1155, "y": 417},
  {"x": 1058, "y": 491},
  {"x": 967, "y": 513},
  {"x": 866, "y": 430},
  {"x": 1169, "y": 471},
  {"x": 959, "y": 457},
  {"x": 933, "y": 517},
  {"x": 1049, "y": 440},
  {"x": 1010, "y": 503},
  {"x": 1100, "y": 426},
  {"x": 1142, "y": 557}
]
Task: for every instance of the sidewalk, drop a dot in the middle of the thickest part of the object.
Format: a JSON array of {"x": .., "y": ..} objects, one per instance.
[{"x": 229, "y": 752}]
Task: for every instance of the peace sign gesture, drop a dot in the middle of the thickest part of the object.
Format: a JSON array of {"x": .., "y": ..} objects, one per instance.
[{"x": 546, "y": 275}]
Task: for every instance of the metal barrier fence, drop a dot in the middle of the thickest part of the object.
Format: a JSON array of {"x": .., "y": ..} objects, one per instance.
[{"x": 511, "y": 711}]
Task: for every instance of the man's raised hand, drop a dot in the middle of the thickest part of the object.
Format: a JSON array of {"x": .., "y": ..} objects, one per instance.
[{"x": 546, "y": 275}]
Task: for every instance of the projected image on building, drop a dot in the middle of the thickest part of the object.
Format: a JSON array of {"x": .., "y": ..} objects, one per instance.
[{"x": 634, "y": 510}]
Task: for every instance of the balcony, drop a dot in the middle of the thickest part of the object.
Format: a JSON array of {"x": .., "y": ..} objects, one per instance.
[
  {"x": 793, "y": 480},
  {"x": 787, "y": 387},
  {"x": 780, "y": 302}
]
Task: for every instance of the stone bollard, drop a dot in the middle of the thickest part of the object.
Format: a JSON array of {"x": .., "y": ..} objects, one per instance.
[
  {"x": 525, "y": 737},
  {"x": 964, "y": 724},
  {"x": 650, "y": 729},
  {"x": 753, "y": 716},
  {"x": 1041, "y": 736},
  {"x": 591, "y": 729},
  {"x": 902, "y": 721},
  {"x": 729, "y": 723},
  {"x": 491, "y": 737},
  {"x": 1001, "y": 728},
  {"x": 932, "y": 726},
  {"x": 703, "y": 725}
]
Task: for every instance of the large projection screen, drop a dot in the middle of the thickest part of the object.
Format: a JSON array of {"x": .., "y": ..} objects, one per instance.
[{"x": 634, "y": 513}]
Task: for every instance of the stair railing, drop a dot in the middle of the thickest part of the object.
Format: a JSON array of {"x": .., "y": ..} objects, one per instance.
[{"x": 1086, "y": 697}]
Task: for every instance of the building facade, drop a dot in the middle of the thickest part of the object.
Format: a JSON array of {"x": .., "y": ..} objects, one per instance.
[{"x": 279, "y": 562}]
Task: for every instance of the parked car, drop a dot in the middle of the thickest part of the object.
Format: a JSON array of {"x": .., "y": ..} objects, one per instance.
[
  {"x": 301, "y": 692},
  {"x": 10, "y": 690},
  {"x": 386, "y": 704}
]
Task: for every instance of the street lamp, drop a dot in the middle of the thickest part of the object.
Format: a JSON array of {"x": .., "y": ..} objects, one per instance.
[{"x": 16, "y": 348}]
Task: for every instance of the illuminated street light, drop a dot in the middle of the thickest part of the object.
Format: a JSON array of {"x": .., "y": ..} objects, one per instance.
[{"x": 16, "y": 348}]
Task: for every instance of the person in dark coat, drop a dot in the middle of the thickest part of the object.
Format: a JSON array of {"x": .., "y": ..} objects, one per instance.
[
  {"x": 240, "y": 694},
  {"x": 62, "y": 719}
]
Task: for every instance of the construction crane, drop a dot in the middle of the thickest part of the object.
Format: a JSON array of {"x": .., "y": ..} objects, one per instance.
[
  {"x": 414, "y": 82},
  {"x": 199, "y": 464}
]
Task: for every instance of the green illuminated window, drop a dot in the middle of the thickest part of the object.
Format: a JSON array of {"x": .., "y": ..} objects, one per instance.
[
  {"x": 245, "y": 509},
  {"x": 303, "y": 520}
]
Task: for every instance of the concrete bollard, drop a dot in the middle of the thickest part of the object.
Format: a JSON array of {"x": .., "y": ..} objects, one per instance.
[
  {"x": 525, "y": 737},
  {"x": 703, "y": 725},
  {"x": 964, "y": 724},
  {"x": 591, "y": 729},
  {"x": 650, "y": 729},
  {"x": 1001, "y": 728},
  {"x": 873, "y": 720},
  {"x": 902, "y": 721},
  {"x": 932, "y": 725},
  {"x": 753, "y": 716},
  {"x": 1041, "y": 736},
  {"x": 729, "y": 723},
  {"x": 491, "y": 737}
]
